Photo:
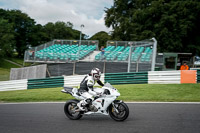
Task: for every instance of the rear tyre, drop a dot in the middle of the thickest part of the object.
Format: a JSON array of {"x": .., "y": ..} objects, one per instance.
[
  {"x": 123, "y": 111},
  {"x": 69, "y": 109}
]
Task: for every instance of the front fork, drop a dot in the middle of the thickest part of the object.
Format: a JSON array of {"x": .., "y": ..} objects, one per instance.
[{"x": 114, "y": 106}]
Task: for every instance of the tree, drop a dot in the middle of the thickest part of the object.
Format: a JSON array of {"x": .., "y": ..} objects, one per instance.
[
  {"x": 102, "y": 36},
  {"x": 6, "y": 38},
  {"x": 175, "y": 24},
  {"x": 23, "y": 28},
  {"x": 61, "y": 30},
  {"x": 38, "y": 35},
  {"x": 19, "y": 32}
]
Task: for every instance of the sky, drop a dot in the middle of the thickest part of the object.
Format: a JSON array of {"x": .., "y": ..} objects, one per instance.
[{"x": 90, "y": 13}]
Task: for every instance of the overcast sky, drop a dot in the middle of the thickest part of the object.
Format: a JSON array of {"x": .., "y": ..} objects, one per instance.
[{"x": 88, "y": 12}]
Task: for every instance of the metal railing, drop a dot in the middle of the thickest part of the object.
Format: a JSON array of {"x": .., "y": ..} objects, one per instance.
[
  {"x": 61, "y": 51},
  {"x": 140, "y": 55}
]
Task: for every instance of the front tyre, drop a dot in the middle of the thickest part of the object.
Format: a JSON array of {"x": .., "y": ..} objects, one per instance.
[
  {"x": 70, "y": 110},
  {"x": 119, "y": 112}
]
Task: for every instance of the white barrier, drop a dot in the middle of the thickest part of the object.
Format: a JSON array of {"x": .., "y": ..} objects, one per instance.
[
  {"x": 154, "y": 77},
  {"x": 75, "y": 80},
  {"x": 70, "y": 81},
  {"x": 13, "y": 85},
  {"x": 164, "y": 77}
]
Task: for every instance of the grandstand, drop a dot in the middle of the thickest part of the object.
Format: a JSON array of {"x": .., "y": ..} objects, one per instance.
[
  {"x": 119, "y": 56},
  {"x": 113, "y": 52},
  {"x": 61, "y": 51}
]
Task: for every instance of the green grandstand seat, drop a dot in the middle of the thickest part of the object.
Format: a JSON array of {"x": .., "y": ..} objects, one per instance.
[
  {"x": 55, "y": 56},
  {"x": 62, "y": 55},
  {"x": 146, "y": 56},
  {"x": 97, "y": 57},
  {"x": 63, "y": 52},
  {"x": 51, "y": 55}
]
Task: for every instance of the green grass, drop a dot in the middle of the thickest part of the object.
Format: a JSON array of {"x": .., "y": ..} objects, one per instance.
[
  {"x": 19, "y": 61},
  {"x": 4, "y": 74},
  {"x": 163, "y": 92},
  {"x": 134, "y": 92},
  {"x": 34, "y": 95},
  {"x": 5, "y": 69},
  {"x": 6, "y": 65}
]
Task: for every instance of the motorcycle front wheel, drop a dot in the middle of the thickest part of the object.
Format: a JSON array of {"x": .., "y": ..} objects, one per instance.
[
  {"x": 120, "y": 112},
  {"x": 70, "y": 110}
]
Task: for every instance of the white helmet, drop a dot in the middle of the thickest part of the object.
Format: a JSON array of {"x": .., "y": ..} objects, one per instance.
[{"x": 96, "y": 73}]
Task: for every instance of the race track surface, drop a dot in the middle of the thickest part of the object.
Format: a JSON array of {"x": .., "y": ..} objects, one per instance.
[{"x": 143, "y": 118}]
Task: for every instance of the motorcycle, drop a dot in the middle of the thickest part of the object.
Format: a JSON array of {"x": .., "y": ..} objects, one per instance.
[{"x": 105, "y": 104}]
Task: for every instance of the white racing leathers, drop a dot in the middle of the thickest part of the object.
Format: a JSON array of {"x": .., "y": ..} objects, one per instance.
[{"x": 86, "y": 90}]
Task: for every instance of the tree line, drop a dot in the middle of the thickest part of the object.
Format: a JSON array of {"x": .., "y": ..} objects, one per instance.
[
  {"x": 174, "y": 23},
  {"x": 19, "y": 32}
]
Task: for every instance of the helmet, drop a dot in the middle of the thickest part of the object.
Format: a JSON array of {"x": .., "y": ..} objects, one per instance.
[{"x": 96, "y": 73}]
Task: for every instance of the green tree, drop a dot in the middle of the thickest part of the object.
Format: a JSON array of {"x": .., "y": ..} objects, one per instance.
[
  {"x": 38, "y": 35},
  {"x": 19, "y": 32},
  {"x": 23, "y": 27},
  {"x": 61, "y": 30},
  {"x": 6, "y": 38},
  {"x": 102, "y": 36},
  {"x": 174, "y": 23}
]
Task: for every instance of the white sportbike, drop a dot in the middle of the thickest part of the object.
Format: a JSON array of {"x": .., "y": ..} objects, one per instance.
[{"x": 105, "y": 104}]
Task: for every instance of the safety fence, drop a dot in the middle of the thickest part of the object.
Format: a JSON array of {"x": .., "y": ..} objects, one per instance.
[
  {"x": 198, "y": 76},
  {"x": 46, "y": 83},
  {"x": 155, "y": 77},
  {"x": 76, "y": 80},
  {"x": 13, "y": 85},
  {"x": 164, "y": 77},
  {"x": 127, "y": 78}
]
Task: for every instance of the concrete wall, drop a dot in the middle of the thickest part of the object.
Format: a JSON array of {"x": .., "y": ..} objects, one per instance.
[{"x": 32, "y": 72}]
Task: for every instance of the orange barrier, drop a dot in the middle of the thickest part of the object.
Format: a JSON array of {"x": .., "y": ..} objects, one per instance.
[{"x": 188, "y": 76}]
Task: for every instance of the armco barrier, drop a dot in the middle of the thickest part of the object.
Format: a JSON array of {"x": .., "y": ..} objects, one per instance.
[
  {"x": 164, "y": 77},
  {"x": 75, "y": 80},
  {"x": 127, "y": 78},
  {"x": 155, "y": 77},
  {"x": 46, "y": 83},
  {"x": 198, "y": 76},
  {"x": 13, "y": 85}
]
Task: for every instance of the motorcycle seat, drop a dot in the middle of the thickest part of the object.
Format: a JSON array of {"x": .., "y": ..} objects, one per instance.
[{"x": 68, "y": 89}]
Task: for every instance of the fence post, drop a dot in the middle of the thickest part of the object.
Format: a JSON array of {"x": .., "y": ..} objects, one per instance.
[
  {"x": 74, "y": 68},
  {"x": 104, "y": 67},
  {"x": 154, "y": 54},
  {"x": 129, "y": 58},
  {"x": 137, "y": 66}
]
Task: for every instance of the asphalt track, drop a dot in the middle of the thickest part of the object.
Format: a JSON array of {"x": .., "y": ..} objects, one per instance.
[{"x": 143, "y": 118}]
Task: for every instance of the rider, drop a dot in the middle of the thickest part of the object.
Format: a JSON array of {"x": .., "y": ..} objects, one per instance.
[{"x": 86, "y": 88}]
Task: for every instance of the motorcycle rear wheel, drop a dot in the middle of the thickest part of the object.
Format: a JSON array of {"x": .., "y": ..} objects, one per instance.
[
  {"x": 123, "y": 111},
  {"x": 69, "y": 110}
]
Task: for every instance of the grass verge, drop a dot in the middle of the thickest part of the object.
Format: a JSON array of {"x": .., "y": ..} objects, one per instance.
[
  {"x": 19, "y": 61},
  {"x": 4, "y": 74},
  {"x": 5, "y": 69},
  {"x": 6, "y": 66},
  {"x": 133, "y": 92}
]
